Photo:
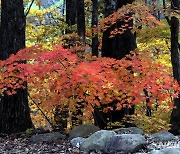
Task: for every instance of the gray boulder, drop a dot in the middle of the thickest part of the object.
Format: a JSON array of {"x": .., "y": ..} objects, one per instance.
[
  {"x": 83, "y": 131},
  {"x": 97, "y": 141},
  {"x": 47, "y": 137},
  {"x": 162, "y": 136},
  {"x": 129, "y": 130},
  {"x": 170, "y": 150},
  {"x": 125, "y": 143},
  {"x": 76, "y": 142}
]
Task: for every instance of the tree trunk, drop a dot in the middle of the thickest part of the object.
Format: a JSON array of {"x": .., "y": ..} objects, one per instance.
[
  {"x": 117, "y": 47},
  {"x": 95, "y": 42},
  {"x": 174, "y": 23},
  {"x": 81, "y": 20},
  {"x": 175, "y": 120},
  {"x": 121, "y": 44},
  {"x": 14, "y": 110},
  {"x": 70, "y": 14}
]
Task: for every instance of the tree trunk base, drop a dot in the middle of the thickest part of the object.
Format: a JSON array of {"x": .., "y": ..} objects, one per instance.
[{"x": 14, "y": 113}]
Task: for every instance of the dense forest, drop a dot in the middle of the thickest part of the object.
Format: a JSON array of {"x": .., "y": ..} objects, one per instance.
[{"x": 113, "y": 63}]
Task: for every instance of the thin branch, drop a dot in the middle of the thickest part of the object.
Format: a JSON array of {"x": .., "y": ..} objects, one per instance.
[
  {"x": 29, "y": 8},
  {"x": 166, "y": 17},
  {"x": 168, "y": 20},
  {"x": 41, "y": 112}
]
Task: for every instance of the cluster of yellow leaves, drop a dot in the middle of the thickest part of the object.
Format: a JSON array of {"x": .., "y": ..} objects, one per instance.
[
  {"x": 157, "y": 41},
  {"x": 44, "y": 27}
]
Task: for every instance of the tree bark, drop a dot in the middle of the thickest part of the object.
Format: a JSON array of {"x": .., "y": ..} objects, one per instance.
[
  {"x": 175, "y": 120},
  {"x": 121, "y": 44},
  {"x": 14, "y": 110},
  {"x": 174, "y": 26},
  {"x": 81, "y": 27},
  {"x": 95, "y": 42},
  {"x": 70, "y": 14}
]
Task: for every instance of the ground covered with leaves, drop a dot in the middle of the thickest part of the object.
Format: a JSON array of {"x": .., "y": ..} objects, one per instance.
[
  {"x": 21, "y": 144},
  {"x": 16, "y": 145}
]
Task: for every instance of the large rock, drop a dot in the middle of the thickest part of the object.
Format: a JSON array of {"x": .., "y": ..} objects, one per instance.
[
  {"x": 170, "y": 150},
  {"x": 125, "y": 143},
  {"x": 48, "y": 137},
  {"x": 83, "y": 131},
  {"x": 129, "y": 130},
  {"x": 76, "y": 142},
  {"x": 162, "y": 136},
  {"x": 97, "y": 141}
]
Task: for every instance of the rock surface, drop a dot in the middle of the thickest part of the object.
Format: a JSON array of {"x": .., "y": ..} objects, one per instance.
[
  {"x": 76, "y": 142},
  {"x": 48, "y": 137},
  {"x": 83, "y": 131},
  {"x": 162, "y": 136},
  {"x": 166, "y": 151},
  {"x": 97, "y": 141},
  {"x": 125, "y": 143}
]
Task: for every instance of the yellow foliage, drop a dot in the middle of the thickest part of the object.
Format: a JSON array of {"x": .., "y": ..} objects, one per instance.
[
  {"x": 157, "y": 41},
  {"x": 40, "y": 28}
]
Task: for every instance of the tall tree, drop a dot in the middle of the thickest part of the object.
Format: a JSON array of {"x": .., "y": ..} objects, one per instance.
[
  {"x": 116, "y": 47},
  {"x": 95, "y": 42},
  {"x": 81, "y": 27},
  {"x": 70, "y": 13},
  {"x": 14, "y": 109},
  {"x": 121, "y": 44},
  {"x": 174, "y": 26}
]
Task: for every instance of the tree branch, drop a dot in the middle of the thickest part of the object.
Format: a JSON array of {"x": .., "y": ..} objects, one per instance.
[
  {"x": 166, "y": 17},
  {"x": 52, "y": 126},
  {"x": 29, "y": 8},
  {"x": 168, "y": 20}
]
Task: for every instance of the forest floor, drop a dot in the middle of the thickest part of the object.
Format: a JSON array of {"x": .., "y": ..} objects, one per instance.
[
  {"x": 14, "y": 145},
  {"x": 22, "y": 145}
]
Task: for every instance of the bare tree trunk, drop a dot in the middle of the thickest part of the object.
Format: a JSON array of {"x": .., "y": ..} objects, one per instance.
[
  {"x": 95, "y": 42},
  {"x": 121, "y": 44},
  {"x": 81, "y": 27},
  {"x": 70, "y": 14},
  {"x": 14, "y": 110},
  {"x": 174, "y": 23}
]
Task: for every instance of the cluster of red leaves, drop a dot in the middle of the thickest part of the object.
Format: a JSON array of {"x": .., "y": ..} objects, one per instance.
[
  {"x": 58, "y": 78},
  {"x": 139, "y": 13}
]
